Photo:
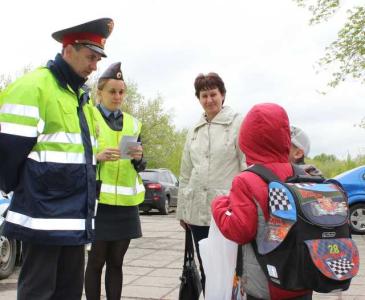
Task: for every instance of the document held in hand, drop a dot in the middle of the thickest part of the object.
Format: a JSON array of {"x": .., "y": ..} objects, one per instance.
[{"x": 126, "y": 142}]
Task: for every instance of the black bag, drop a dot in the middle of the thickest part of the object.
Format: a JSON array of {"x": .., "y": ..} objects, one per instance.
[
  {"x": 190, "y": 287},
  {"x": 306, "y": 243}
]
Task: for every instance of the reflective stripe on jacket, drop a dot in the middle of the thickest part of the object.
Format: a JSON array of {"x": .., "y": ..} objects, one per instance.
[
  {"x": 54, "y": 198},
  {"x": 121, "y": 184}
]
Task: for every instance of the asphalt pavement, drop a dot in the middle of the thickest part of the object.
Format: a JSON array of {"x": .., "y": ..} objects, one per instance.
[{"x": 153, "y": 264}]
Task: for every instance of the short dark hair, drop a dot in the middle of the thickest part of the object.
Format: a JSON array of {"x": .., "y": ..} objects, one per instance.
[{"x": 209, "y": 81}]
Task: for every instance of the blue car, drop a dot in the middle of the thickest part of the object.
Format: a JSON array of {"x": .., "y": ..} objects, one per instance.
[{"x": 353, "y": 182}]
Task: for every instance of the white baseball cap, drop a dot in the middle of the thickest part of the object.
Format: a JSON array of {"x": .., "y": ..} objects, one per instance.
[{"x": 300, "y": 139}]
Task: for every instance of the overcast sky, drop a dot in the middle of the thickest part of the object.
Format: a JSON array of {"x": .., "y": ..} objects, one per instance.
[{"x": 264, "y": 50}]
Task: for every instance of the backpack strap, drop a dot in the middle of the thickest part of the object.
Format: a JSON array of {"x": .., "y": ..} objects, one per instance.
[
  {"x": 267, "y": 176},
  {"x": 263, "y": 172},
  {"x": 239, "y": 261},
  {"x": 299, "y": 175}
]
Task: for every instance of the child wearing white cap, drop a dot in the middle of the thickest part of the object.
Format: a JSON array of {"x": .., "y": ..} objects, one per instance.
[{"x": 300, "y": 147}]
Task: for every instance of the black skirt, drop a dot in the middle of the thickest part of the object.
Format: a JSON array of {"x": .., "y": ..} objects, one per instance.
[{"x": 113, "y": 223}]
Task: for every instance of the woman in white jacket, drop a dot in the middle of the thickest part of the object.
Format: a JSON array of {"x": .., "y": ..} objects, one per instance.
[{"x": 211, "y": 158}]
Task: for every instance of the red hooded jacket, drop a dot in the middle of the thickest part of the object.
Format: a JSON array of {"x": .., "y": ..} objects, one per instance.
[{"x": 264, "y": 137}]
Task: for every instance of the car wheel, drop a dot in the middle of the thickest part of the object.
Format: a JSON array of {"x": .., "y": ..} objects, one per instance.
[
  {"x": 7, "y": 257},
  {"x": 357, "y": 218},
  {"x": 166, "y": 206}
]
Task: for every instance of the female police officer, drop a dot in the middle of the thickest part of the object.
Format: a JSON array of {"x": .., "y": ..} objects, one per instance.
[{"x": 117, "y": 218}]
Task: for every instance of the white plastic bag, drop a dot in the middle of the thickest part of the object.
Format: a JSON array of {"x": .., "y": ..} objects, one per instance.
[{"x": 219, "y": 257}]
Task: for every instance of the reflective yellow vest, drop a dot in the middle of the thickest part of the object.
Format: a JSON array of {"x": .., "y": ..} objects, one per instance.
[
  {"x": 48, "y": 114},
  {"x": 121, "y": 184},
  {"x": 55, "y": 196}
]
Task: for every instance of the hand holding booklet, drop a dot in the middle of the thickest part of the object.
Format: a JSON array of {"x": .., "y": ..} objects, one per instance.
[{"x": 125, "y": 144}]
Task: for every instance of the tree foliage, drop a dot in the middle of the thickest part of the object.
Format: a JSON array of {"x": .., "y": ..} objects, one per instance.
[
  {"x": 331, "y": 166},
  {"x": 325, "y": 158},
  {"x": 320, "y": 9},
  {"x": 162, "y": 143},
  {"x": 347, "y": 53}
]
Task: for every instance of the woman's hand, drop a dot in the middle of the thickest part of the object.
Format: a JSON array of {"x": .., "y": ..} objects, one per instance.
[
  {"x": 108, "y": 154},
  {"x": 183, "y": 224},
  {"x": 135, "y": 152}
]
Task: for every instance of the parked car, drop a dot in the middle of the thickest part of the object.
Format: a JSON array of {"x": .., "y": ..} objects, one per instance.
[
  {"x": 353, "y": 182},
  {"x": 161, "y": 190},
  {"x": 10, "y": 249}
]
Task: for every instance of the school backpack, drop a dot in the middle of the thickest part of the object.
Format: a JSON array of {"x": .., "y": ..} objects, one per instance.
[{"x": 306, "y": 243}]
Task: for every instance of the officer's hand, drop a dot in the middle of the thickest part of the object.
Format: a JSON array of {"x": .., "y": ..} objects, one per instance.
[
  {"x": 108, "y": 154},
  {"x": 135, "y": 152}
]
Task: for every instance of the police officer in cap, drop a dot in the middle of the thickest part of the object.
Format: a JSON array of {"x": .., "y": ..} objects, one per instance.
[
  {"x": 47, "y": 156},
  {"x": 117, "y": 219}
]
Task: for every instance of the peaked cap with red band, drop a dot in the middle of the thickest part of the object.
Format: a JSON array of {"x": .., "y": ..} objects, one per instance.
[{"x": 92, "y": 34}]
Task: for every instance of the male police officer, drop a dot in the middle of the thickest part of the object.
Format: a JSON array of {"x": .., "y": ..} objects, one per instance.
[{"x": 47, "y": 156}]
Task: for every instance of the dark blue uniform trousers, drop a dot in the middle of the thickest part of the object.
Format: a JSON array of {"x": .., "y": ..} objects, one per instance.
[{"x": 51, "y": 272}]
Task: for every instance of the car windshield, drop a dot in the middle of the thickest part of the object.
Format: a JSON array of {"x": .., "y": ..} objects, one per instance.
[{"x": 151, "y": 176}]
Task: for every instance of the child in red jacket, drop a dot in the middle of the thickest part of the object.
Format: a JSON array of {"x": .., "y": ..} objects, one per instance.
[{"x": 265, "y": 139}]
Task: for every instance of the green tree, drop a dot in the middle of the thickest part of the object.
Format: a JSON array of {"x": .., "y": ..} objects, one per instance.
[
  {"x": 176, "y": 145},
  {"x": 162, "y": 143},
  {"x": 347, "y": 53},
  {"x": 325, "y": 157},
  {"x": 331, "y": 166}
]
